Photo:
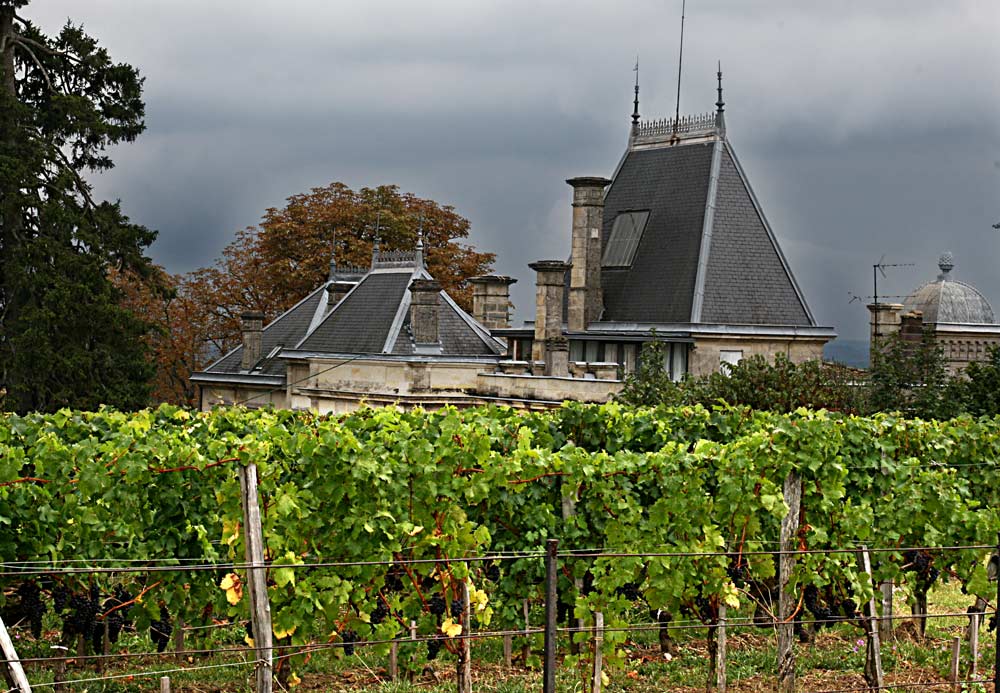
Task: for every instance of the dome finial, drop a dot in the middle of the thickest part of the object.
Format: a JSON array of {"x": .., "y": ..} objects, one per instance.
[{"x": 946, "y": 263}]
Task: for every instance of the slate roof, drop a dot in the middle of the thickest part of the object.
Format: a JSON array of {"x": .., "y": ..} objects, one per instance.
[
  {"x": 707, "y": 254},
  {"x": 286, "y": 330},
  {"x": 374, "y": 313},
  {"x": 948, "y": 300},
  {"x": 362, "y": 320}
]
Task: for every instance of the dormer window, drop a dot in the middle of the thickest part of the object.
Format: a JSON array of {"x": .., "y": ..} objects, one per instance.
[{"x": 624, "y": 239}]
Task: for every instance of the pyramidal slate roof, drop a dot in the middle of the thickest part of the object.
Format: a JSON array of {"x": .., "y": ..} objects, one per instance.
[
  {"x": 372, "y": 319},
  {"x": 707, "y": 254}
]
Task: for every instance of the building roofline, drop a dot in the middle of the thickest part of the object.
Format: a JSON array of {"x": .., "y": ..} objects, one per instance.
[
  {"x": 770, "y": 233},
  {"x": 238, "y": 378},
  {"x": 301, "y": 355}
]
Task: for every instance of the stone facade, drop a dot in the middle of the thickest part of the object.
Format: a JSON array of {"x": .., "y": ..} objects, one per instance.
[{"x": 709, "y": 352}]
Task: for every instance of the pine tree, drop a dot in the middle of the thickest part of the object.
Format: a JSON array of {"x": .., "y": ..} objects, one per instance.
[{"x": 65, "y": 340}]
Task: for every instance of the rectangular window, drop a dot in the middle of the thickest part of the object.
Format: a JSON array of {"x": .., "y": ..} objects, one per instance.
[
  {"x": 591, "y": 354},
  {"x": 624, "y": 239},
  {"x": 678, "y": 361},
  {"x": 729, "y": 357},
  {"x": 576, "y": 350},
  {"x": 628, "y": 358}
]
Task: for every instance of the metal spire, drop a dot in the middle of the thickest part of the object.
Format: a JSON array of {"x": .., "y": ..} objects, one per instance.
[
  {"x": 635, "y": 109},
  {"x": 418, "y": 258},
  {"x": 375, "y": 243},
  {"x": 720, "y": 105},
  {"x": 333, "y": 259}
]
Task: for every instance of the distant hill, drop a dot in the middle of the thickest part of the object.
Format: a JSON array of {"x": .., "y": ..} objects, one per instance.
[{"x": 850, "y": 352}]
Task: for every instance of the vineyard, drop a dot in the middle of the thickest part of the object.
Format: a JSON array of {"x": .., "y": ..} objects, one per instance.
[{"x": 385, "y": 527}]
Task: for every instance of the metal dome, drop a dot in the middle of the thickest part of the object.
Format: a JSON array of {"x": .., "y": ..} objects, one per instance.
[{"x": 948, "y": 301}]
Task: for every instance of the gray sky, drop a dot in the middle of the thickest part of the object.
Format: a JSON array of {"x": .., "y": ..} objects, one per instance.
[{"x": 867, "y": 127}]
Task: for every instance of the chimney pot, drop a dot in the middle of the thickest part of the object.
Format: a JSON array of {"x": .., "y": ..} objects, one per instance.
[
  {"x": 425, "y": 308},
  {"x": 550, "y": 282},
  {"x": 586, "y": 300},
  {"x": 491, "y": 300}
]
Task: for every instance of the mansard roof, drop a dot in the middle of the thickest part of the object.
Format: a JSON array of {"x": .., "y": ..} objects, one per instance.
[
  {"x": 372, "y": 319},
  {"x": 707, "y": 254}
]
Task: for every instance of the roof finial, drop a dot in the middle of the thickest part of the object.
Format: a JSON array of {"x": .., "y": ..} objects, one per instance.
[
  {"x": 635, "y": 109},
  {"x": 720, "y": 105},
  {"x": 945, "y": 264},
  {"x": 375, "y": 243},
  {"x": 418, "y": 257},
  {"x": 333, "y": 258}
]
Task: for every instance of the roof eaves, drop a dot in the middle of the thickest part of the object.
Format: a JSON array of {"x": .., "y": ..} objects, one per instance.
[
  {"x": 770, "y": 234},
  {"x": 705, "y": 248}
]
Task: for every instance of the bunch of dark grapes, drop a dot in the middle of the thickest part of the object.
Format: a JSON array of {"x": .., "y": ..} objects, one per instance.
[
  {"x": 379, "y": 613},
  {"x": 737, "y": 572},
  {"x": 60, "y": 597},
  {"x": 705, "y": 611},
  {"x": 922, "y": 563},
  {"x": 349, "y": 637},
  {"x": 433, "y": 647},
  {"x": 493, "y": 572},
  {"x": 436, "y": 605},
  {"x": 456, "y": 608},
  {"x": 160, "y": 630},
  {"x": 849, "y": 608},
  {"x": 823, "y": 615},
  {"x": 82, "y": 612},
  {"x": 630, "y": 590},
  {"x": 31, "y": 606},
  {"x": 393, "y": 579}
]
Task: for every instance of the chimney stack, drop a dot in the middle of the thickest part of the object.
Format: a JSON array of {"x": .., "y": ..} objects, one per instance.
[
  {"x": 424, "y": 311},
  {"x": 551, "y": 275},
  {"x": 337, "y": 290},
  {"x": 585, "y": 298},
  {"x": 491, "y": 300},
  {"x": 253, "y": 330}
]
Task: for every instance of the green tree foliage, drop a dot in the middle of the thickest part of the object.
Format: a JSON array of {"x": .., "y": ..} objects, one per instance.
[
  {"x": 64, "y": 338},
  {"x": 980, "y": 390},
  {"x": 780, "y": 386},
  {"x": 908, "y": 375}
]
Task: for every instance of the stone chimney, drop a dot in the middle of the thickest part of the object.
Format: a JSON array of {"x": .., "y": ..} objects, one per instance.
[
  {"x": 491, "y": 300},
  {"x": 253, "y": 330},
  {"x": 424, "y": 311},
  {"x": 551, "y": 275},
  {"x": 885, "y": 321},
  {"x": 585, "y": 298}
]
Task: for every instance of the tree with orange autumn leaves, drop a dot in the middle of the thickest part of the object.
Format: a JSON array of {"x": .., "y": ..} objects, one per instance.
[{"x": 272, "y": 266}]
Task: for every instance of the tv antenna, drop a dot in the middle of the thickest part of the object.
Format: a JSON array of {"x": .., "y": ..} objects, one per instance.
[
  {"x": 879, "y": 268},
  {"x": 680, "y": 63}
]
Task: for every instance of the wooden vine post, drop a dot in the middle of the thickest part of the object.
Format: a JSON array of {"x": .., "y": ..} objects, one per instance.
[
  {"x": 13, "y": 672},
  {"x": 720, "y": 651},
  {"x": 551, "y": 599},
  {"x": 465, "y": 644},
  {"x": 260, "y": 607},
  {"x": 874, "y": 676},
  {"x": 787, "y": 603},
  {"x": 597, "y": 679}
]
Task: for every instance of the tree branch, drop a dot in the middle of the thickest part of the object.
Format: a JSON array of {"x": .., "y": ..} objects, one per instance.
[
  {"x": 80, "y": 184},
  {"x": 45, "y": 73},
  {"x": 50, "y": 50}
]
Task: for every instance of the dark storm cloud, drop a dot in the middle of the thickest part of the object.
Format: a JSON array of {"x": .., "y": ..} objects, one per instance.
[{"x": 867, "y": 128}]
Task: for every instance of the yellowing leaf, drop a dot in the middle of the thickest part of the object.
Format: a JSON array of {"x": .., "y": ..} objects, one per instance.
[
  {"x": 604, "y": 679},
  {"x": 248, "y": 640},
  {"x": 294, "y": 680},
  {"x": 416, "y": 530},
  {"x": 450, "y": 628},
  {"x": 279, "y": 634},
  {"x": 230, "y": 531},
  {"x": 233, "y": 586}
]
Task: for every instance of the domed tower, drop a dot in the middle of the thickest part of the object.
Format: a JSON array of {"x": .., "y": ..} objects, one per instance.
[
  {"x": 947, "y": 300},
  {"x": 957, "y": 314}
]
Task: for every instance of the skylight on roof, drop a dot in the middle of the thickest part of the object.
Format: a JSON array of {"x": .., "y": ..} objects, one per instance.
[{"x": 624, "y": 239}]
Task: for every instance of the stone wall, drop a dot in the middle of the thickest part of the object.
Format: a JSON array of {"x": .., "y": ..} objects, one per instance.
[{"x": 704, "y": 356}]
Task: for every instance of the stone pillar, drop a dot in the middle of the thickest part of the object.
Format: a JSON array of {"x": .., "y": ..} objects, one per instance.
[
  {"x": 551, "y": 275},
  {"x": 585, "y": 298},
  {"x": 337, "y": 290},
  {"x": 491, "y": 300},
  {"x": 557, "y": 356},
  {"x": 424, "y": 310},
  {"x": 253, "y": 332}
]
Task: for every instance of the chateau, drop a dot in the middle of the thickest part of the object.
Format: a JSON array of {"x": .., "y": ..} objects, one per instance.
[{"x": 673, "y": 247}]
